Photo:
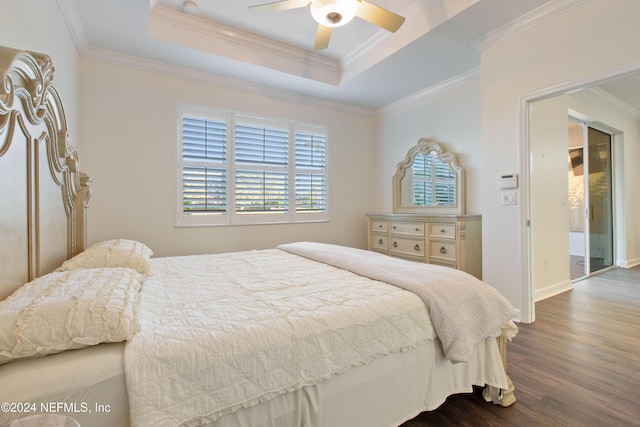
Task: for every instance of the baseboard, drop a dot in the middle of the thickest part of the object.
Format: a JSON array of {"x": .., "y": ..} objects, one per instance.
[
  {"x": 628, "y": 263},
  {"x": 549, "y": 291}
]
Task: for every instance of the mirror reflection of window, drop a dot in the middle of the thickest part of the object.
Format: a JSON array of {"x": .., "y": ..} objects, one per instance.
[
  {"x": 421, "y": 176},
  {"x": 428, "y": 180},
  {"x": 434, "y": 183}
]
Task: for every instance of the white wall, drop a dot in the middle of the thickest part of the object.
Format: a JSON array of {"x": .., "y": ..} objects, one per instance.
[
  {"x": 584, "y": 41},
  {"x": 45, "y": 32},
  {"x": 452, "y": 117},
  {"x": 128, "y": 144}
]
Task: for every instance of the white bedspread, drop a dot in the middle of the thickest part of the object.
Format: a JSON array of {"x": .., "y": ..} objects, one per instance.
[
  {"x": 464, "y": 310},
  {"x": 220, "y": 332}
]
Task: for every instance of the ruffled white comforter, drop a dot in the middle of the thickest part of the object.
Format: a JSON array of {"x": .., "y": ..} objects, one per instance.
[{"x": 220, "y": 332}]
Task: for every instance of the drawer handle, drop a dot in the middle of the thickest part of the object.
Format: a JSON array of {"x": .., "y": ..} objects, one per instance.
[
  {"x": 417, "y": 229},
  {"x": 379, "y": 225},
  {"x": 416, "y": 247},
  {"x": 443, "y": 250},
  {"x": 380, "y": 242},
  {"x": 443, "y": 230},
  {"x": 394, "y": 227},
  {"x": 395, "y": 244}
]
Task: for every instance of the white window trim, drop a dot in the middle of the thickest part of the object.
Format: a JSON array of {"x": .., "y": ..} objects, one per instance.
[{"x": 231, "y": 217}]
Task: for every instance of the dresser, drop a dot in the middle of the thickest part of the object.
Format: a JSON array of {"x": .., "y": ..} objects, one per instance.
[{"x": 449, "y": 240}]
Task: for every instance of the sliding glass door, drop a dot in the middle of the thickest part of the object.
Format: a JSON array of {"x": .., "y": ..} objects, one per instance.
[
  {"x": 590, "y": 199},
  {"x": 600, "y": 197}
]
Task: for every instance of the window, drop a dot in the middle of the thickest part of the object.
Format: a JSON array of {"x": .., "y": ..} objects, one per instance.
[{"x": 237, "y": 169}]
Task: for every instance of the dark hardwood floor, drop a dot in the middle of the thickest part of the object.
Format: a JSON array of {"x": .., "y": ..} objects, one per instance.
[{"x": 578, "y": 364}]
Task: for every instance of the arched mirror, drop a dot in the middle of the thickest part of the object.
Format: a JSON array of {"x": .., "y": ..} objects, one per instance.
[{"x": 429, "y": 180}]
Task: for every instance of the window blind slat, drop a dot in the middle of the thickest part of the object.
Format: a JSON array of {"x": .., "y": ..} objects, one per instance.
[
  {"x": 310, "y": 150},
  {"x": 204, "y": 190},
  {"x": 310, "y": 192},
  {"x": 261, "y": 191},
  {"x": 202, "y": 138},
  {"x": 259, "y": 145}
]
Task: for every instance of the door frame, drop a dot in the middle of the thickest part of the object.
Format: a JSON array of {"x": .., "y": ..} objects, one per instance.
[{"x": 527, "y": 302}]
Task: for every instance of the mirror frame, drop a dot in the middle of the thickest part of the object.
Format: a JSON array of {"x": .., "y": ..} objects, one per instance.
[{"x": 426, "y": 146}]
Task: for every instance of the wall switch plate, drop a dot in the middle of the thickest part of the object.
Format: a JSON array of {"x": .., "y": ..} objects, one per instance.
[{"x": 508, "y": 197}]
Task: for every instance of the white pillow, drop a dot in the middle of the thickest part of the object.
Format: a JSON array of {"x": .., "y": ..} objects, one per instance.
[
  {"x": 112, "y": 253},
  {"x": 68, "y": 310}
]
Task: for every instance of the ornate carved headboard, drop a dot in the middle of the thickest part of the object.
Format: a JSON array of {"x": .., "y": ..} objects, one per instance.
[{"x": 43, "y": 195}]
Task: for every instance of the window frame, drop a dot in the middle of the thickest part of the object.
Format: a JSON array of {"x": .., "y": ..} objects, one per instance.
[{"x": 231, "y": 216}]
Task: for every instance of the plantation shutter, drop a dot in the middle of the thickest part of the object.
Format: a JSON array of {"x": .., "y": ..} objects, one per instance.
[
  {"x": 242, "y": 169},
  {"x": 261, "y": 155},
  {"x": 311, "y": 187},
  {"x": 204, "y": 170}
]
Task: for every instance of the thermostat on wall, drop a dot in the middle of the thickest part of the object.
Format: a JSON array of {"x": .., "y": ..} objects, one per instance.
[{"x": 509, "y": 180}]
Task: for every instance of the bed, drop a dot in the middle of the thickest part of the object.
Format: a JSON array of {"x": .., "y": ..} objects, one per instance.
[{"x": 304, "y": 334}]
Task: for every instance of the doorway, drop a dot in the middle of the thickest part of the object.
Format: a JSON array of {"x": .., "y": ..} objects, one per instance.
[{"x": 590, "y": 200}]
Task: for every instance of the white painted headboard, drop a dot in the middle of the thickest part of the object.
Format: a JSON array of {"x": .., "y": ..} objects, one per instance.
[{"x": 43, "y": 195}]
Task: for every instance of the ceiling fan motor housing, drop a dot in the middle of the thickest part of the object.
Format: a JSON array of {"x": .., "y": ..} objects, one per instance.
[{"x": 333, "y": 13}]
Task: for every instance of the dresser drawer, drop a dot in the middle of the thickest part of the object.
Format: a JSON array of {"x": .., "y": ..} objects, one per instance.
[
  {"x": 380, "y": 226},
  {"x": 442, "y": 250},
  {"x": 408, "y": 228},
  {"x": 379, "y": 241},
  {"x": 413, "y": 247},
  {"x": 442, "y": 231}
]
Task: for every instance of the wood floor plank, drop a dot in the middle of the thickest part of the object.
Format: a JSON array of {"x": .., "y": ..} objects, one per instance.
[{"x": 578, "y": 364}]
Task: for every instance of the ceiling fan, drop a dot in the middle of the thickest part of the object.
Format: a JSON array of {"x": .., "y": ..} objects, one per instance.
[{"x": 335, "y": 13}]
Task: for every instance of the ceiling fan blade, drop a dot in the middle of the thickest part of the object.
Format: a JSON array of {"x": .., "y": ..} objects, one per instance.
[
  {"x": 381, "y": 17},
  {"x": 277, "y": 6},
  {"x": 323, "y": 35}
]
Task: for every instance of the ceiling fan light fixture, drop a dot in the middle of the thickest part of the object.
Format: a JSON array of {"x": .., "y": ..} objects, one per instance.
[
  {"x": 333, "y": 13},
  {"x": 190, "y": 7}
]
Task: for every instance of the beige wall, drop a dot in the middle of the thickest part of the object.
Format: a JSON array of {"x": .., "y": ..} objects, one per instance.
[
  {"x": 128, "y": 144},
  {"x": 566, "y": 48},
  {"x": 452, "y": 117}
]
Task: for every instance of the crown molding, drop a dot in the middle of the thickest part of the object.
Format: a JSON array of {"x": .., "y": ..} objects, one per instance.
[
  {"x": 355, "y": 55},
  {"x": 227, "y": 34},
  {"x": 430, "y": 91},
  {"x": 74, "y": 24},
  {"x": 202, "y": 34},
  {"x": 525, "y": 22},
  {"x": 572, "y": 86},
  {"x": 189, "y": 74},
  {"x": 612, "y": 102}
]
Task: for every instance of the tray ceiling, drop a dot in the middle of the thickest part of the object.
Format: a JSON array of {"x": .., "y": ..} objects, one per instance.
[{"x": 364, "y": 66}]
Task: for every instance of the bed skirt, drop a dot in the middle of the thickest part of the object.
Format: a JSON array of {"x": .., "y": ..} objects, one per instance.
[{"x": 89, "y": 385}]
